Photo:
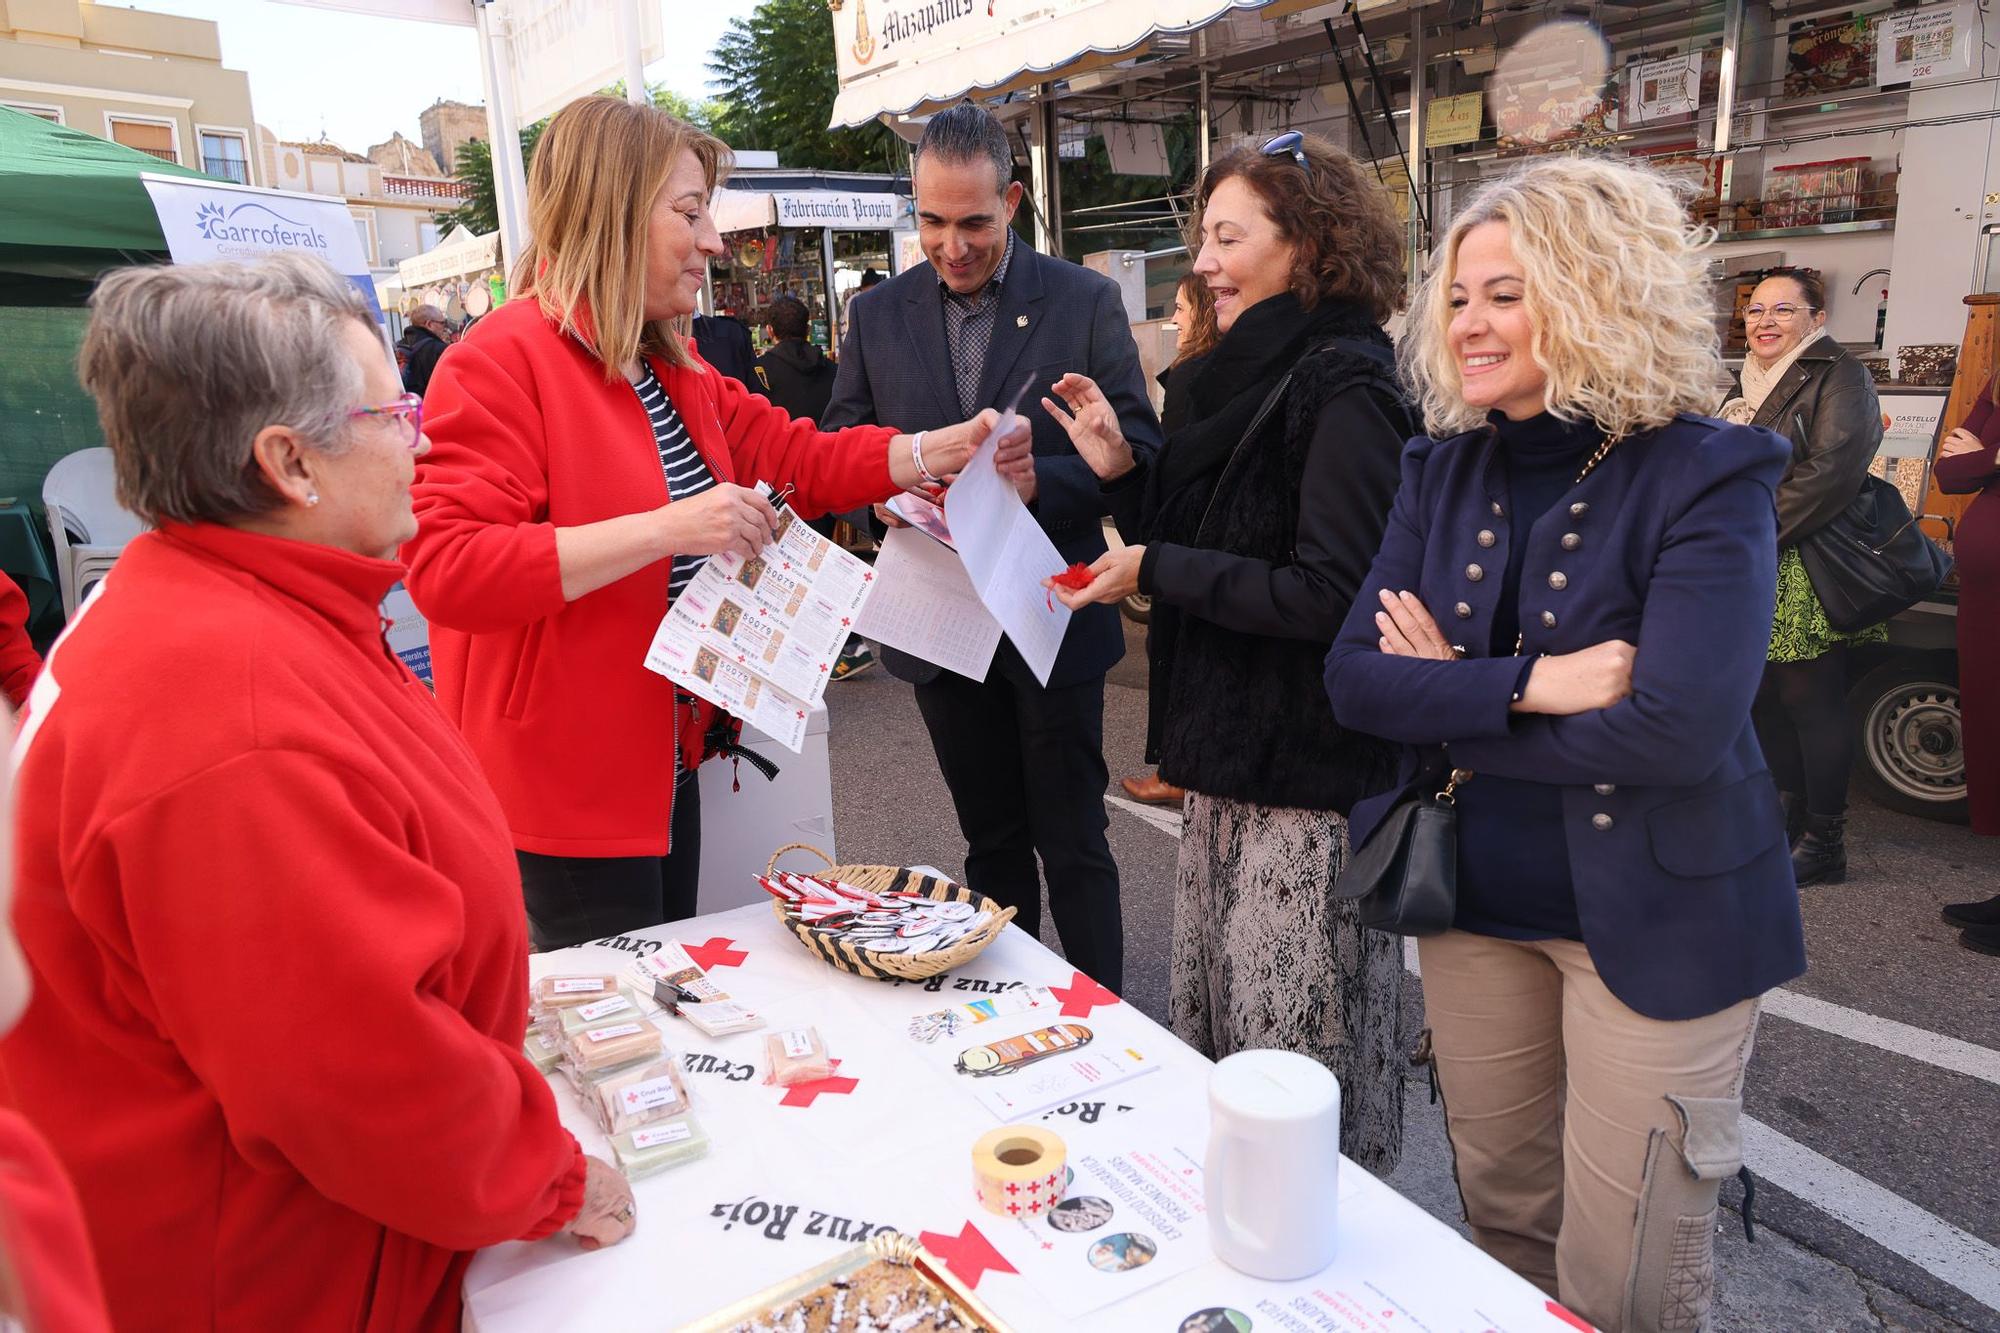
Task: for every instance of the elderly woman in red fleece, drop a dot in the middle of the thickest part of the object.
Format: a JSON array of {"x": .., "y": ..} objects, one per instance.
[{"x": 269, "y": 901}]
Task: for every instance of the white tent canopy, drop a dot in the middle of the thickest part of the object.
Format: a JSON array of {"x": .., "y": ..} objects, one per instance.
[
  {"x": 894, "y": 60},
  {"x": 459, "y": 253}
]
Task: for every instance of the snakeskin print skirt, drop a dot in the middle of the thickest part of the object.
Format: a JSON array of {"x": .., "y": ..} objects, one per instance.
[{"x": 1264, "y": 957}]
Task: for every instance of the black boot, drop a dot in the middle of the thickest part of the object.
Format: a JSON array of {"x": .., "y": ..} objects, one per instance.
[
  {"x": 1821, "y": 856},
  {"x": 1793, "y": 807},
  {"x": 1973, "y": 914},
  {"x": 1981, "y": 939}
]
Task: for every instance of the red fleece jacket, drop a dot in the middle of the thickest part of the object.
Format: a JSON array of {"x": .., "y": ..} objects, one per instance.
[
  {"x": 18, "y": 659},
  {"x": 42, "y": 1237},
  {"x": 574, "y": 732},
  {"x": 280, "y": 959}
]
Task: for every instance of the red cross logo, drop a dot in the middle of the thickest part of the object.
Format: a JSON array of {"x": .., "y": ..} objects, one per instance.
[
  {"x": 1034, "y": 1187},
  {"x": 1013, "y": 1187},
  {"x": 1014, "y": 1208},
  {"x": 1081, "y": 996},
  {"x": 802, "y": 1094},
  {"x": 845, "y": 622},
  {"x": 969, "y": 1255},
  {"x": 1555, "y": 1310},
  {"x": 786, "y": 565},
  {"x": 718, "y": 952},
  {"x": 869, "y": 577}
]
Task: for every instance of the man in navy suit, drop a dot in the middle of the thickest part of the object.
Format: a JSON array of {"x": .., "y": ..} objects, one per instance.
[{"x": 1024, "y": 761}]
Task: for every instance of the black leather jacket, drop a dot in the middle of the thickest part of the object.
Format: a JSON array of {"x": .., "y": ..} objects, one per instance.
[{"x": 1826, "y": 406}]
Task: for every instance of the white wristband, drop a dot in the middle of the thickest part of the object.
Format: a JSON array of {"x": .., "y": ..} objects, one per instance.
[{"x": 917, "y": 457}]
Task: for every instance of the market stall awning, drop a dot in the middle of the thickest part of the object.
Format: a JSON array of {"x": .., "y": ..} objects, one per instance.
[
  {"x": 842, "y": 210},
  {"x": 65, "y": 194},
  {"x": 895, "y": 59},
  {"x": 459, "y": 253}
]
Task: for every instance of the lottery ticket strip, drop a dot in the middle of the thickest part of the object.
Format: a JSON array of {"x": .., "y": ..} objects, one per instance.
[{"x": 921, "y": 1072}]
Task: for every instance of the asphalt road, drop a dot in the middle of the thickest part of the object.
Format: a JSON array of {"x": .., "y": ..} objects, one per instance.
[{"x": 1873, "y": 1100}]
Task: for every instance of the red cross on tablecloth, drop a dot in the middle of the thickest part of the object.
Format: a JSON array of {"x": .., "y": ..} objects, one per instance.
[
  {"x": 718, "y": 952},
  {"x": 802, "y": 1094},
  {"x": 1081, "y": 996},
  {"x": 1572, "y": 1320},
  {"x": 968, "y": 1255}
]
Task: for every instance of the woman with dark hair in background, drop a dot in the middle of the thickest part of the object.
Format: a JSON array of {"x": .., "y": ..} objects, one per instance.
[{"x": 1802, "y": 384}]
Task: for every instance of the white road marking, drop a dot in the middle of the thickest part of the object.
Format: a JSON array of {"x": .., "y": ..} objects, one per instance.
[
  {"x": 1164, "y": 818},
  {"x": 1944, "y": 1251},
  {"x": 1933, "y": 1048}
]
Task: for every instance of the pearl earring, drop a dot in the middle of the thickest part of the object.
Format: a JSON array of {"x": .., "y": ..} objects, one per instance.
[{"x": 312, "y": 498}]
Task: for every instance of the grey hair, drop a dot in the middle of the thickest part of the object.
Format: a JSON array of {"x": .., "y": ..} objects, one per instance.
[
  {"x": 966, "y": 133},
  {"x": 427, "y": 314},
  {"x": 188, "y": 362}
]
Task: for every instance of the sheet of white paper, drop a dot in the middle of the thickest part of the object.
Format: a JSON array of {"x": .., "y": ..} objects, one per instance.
[
  {"x": 1008, "y": 555},
  {"x": 924, "y": 603}
]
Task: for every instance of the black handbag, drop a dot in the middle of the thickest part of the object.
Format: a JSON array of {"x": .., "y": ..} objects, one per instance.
[
  {"x": 1404, "y": 878},
  {"x": 1871, "y": 560}
]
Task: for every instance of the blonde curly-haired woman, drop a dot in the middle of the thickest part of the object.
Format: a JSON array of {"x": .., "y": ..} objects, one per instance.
[{"x": 1573, "y": 600}]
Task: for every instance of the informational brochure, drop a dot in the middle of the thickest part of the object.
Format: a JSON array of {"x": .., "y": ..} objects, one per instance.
[
  {"x": 759, "y": 637},
  {"x": 1040, "y": 1061},
  {"x": 1007, "y": 555},
  {"x": 924, "y": 603}
]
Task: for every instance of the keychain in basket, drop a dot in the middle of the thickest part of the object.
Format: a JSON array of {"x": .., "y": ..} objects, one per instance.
[{"x": 884, "y": 922}]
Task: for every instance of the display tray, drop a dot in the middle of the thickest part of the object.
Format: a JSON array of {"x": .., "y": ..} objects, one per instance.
[{"x": 929, "y": 1277}]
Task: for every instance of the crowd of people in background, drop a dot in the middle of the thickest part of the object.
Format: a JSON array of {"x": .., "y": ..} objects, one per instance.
[{"x": 1524, "y": 556}]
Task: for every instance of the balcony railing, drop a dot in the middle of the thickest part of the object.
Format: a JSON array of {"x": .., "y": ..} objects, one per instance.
[
  {"x": 228, "y": 168},
  {"x": 426, "y": 188},
  {"x": 164, "y": 154}
]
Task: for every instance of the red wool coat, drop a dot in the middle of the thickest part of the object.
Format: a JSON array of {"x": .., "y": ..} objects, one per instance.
[
  {"x": 280, "y": 958},
  {"x": 575, "y": 734}
]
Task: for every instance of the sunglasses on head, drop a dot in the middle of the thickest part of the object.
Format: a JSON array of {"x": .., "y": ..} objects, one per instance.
[{"x": 1291, "y": 141}]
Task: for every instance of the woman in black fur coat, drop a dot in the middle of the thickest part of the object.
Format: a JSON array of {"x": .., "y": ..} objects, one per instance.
[{"x": 1252, "y": 533}]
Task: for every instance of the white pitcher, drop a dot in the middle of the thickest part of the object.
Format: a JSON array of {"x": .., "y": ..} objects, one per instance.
[{"x": 1273, "y": 1171}]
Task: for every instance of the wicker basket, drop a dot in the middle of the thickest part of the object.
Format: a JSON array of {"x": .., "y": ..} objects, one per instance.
[{"x": 884, "y": 879}]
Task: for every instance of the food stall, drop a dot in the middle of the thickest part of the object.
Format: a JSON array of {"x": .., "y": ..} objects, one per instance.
[
  {"x": 461, "y": 276},
  {"x": 812, "y": 235}
]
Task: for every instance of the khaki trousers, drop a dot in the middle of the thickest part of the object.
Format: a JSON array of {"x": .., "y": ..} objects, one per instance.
[{"x": 1590, "y": 1142}]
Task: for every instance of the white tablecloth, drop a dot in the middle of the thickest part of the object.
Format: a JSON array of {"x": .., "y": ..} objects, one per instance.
[{"x": 786, "y": 1186}]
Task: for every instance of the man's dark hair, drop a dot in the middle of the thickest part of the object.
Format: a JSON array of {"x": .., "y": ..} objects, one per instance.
[
  {"x": 869, "y": 277},
  {"x": 967, "y": 133},
  {"x": 787, "y": 317}
]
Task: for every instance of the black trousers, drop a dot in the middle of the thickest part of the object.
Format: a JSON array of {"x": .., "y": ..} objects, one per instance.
[
  {"x": 1026, "y": 770},
  {"x": 577, "y": 899},
  {"x": 1805, "y": 731}
]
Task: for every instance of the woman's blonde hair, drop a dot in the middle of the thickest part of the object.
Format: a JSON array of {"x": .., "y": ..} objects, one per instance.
[
  {"x": 1614, "y": 282},
  {"x": 598, "y": 168}
]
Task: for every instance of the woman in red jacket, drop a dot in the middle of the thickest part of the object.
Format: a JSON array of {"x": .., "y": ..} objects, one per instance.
[
  {"x": 281, "y": 981},
  {"x": 585, "y": 462}
]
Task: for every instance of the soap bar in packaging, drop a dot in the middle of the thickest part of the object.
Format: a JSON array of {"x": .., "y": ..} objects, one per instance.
[
  {"x": 567, "y": 992},
  {"x": 619, "y": 1007},
  {"x": 618, "y": 1042},
  {"x": 542, "y": 1049},
  {"x": 638, "y": 1095},
  {"x": 796, "y": 1055},
  {"x": 660, "y": 1145}
]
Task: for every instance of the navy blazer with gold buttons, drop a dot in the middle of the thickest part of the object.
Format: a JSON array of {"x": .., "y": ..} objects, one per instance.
[{"x": 1676, "y": 847}]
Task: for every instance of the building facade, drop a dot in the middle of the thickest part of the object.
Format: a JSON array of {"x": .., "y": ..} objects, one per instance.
[
  {"x": 396, "y": 213},
  {"x": 154, "y": 82},
  {"x": 449, "y": 126}
]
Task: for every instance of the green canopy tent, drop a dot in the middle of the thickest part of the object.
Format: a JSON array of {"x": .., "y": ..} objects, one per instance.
[{"x": 71, "y": 206}]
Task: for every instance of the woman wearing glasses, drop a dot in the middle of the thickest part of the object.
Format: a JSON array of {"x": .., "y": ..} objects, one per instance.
[
  {"x": 1573, "y": 601},
  {"x": 587, "y": 462},
  {"x": 1802, "y": 384},
  {"x": 1252, "y": 532},
  {"x": 273, "y": 917}
]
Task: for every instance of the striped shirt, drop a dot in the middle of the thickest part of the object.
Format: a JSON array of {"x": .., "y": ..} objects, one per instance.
[{"x": 687, "y": 474}]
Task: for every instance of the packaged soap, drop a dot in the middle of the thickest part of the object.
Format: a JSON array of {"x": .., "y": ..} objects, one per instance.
[
  {"x": 796, "y": 1055},
  {"x": 618, "y": 1042},
  {"x": 568, "y": 991},
  {"x": 637, "y": 1094},
  {"x": 543, "y": 1050},
  {"x": 655, "y": 1147},
  {"x": 619, "y": 1007}
]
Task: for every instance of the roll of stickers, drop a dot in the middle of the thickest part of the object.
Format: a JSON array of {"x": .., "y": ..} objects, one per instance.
[{"x": 1019, "y": 1171}]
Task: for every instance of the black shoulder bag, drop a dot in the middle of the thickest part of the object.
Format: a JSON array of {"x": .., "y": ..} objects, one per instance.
[
  {"x": 1404, "y": 879},
  {"x": 1871, "y": 560}
]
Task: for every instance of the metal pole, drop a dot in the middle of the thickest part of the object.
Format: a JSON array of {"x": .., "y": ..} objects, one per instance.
[
  {"x": 1419, "y": 151},
  {"x": 631, "y": 47},
  {"x": 1045, "y": 173},
  {"x": 832, "y": 303},
  {"x": 510, "y": 175},
  {"x": 1725, "y": 98},
  {"x": 1203, "y": 128}
]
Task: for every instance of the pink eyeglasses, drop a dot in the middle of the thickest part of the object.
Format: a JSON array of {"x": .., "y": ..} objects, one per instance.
[{"x": 408, "y": 409}]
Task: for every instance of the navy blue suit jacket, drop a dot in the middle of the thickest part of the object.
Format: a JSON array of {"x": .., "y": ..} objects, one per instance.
[
  {"x": 1676, "y": 847},
  {"x": 1054, "y": 317}
]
